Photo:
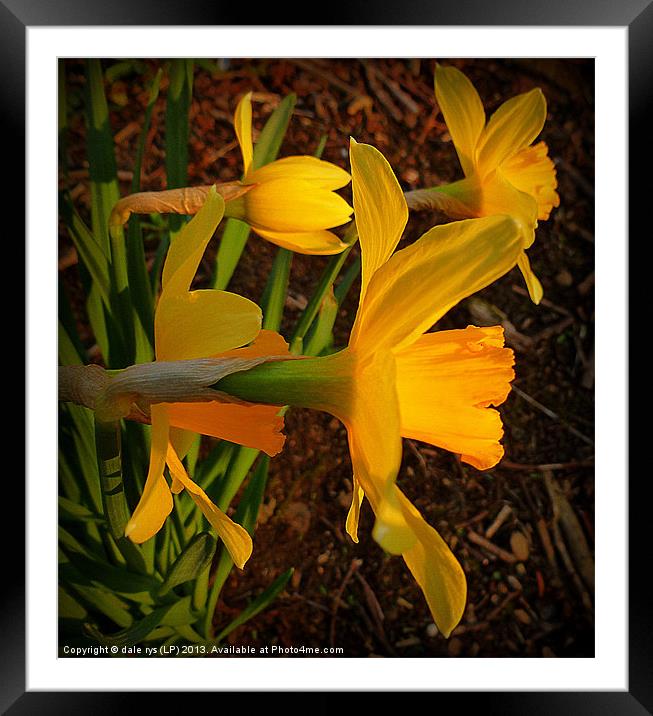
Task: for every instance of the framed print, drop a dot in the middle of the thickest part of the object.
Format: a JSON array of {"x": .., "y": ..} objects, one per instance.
[{"x": 510, "y": 136}]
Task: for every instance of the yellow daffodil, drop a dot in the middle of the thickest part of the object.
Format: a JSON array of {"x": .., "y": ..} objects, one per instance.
[
  {"x": 202, "y": 324},
  {"x": 395, "y": 380},
  {"x": 505, "y": 173},
  {"x": 292, "y": 202}
]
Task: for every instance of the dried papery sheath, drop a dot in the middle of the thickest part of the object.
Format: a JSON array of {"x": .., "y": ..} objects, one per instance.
[
  {"x": 188, "y": 201},
  {"x": 184, "y": 381}
]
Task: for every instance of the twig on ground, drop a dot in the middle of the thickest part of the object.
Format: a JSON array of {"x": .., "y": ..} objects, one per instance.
[
  {"x": 534, "y": 467},
  {"x": 420, "y": 458},
  {"x": 561, "y": 547},
  {"x": 552, "y": 415},
  {"x": 503, "y": 515},
  {"x": 355, "y": 564},
  {"x": 565, "y": 515},
  {"x": 383, "y": 97},
  {"x": 491, "y": 547},
  {"x": 325, "y": 75}
]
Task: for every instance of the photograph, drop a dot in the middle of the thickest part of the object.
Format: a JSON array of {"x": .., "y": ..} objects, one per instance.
[{"x": 326, "y": 357}]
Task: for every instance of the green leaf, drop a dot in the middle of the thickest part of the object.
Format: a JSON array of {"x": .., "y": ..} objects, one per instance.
[
  {"x": 99, "y": 319},
  {"x": 139, "y": 281},
  {"x": 215, "y": 464},
  {"x": 70, "y": 544},
  {"x": 232, "y": 244},
  {"x": 102, "y": 162},
  {"x": 249, "y": 505},
  {"x": 181, "y": 613},
  {"x": 320, "y": 335},
  {"x": 193, "y": 560},
  {"x": 117, "y": 580},
  {"x": 104, "y": 602},
  {"x": 258, "y": 605},
  {"x": 180, "y": 92},
  {"x": 161, "y": 632},
  {"x": 178, "y": 614},
  {"x": 191, "y": 457},
  {"x": 69, "y": 608},
  {"x": 67, "y": 479},
  {"x": 104, "y": 195},
  {"x": 188, "y": 633},
  {"x": 271, "y": 137},
  {"x": 77, "y": 442},
  {"x": 350, "y": 275},
  {"x": 123, "y": 69},
  {"x": 245, "y": 515},
  {"x": 75, "y": 512},
  {"x": 240, "y": 464},
  {"x": 70, "y": 351},
  {"x": 325, "y": 283},
  {"x": 274, "y": 295},
  {"x": 90, "y": 252},
  {"x": 133, "y": 635}
]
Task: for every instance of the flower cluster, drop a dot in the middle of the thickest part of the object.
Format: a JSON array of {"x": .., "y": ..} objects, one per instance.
[{"x": 396, "y": 378}]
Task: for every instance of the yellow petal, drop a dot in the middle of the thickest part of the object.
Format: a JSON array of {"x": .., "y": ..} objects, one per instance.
[
  {"x": 420, "y": 283},
  {"x": 255, "y": 426},
  {"x": 316, "y": 243},
  {"x": 512, "y": 127},
  {"x": 243, "y": 127},
  {"x": 156, "y": 501},
  {"x": 203, "y": 323},
  {"x": 355, "y": 510},
  {"x": 293, "y": 205},
  {"x": 181, "y": 440},
  {"x": 445, "y": 381},
  {"x": 236, "y": 539},
  {"x": 188, "y": 246},
  {"x": 266, "y": 343},
  {"x": 324, "y": 175},
  {"x": 436, "y": 570},
  {"x": 532, "y": 171},
  {"x": 463, "y": 113},
  {"x": 372, "y": 422},
  {"x": 379, "y": 206},
  {"x": 535, "y": 290}
]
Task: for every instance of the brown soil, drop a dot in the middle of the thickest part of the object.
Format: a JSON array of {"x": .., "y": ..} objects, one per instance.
[{"x": 353, "y": 595}]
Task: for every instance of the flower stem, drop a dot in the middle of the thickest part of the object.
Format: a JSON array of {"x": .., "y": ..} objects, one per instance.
[
  {"x": 322, "y": 383},
  {"x": 107, "y": 443}
]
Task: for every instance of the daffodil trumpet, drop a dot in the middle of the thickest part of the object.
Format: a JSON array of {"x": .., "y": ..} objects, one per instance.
[
  {"x": 394, "y": 379},
  {"x": 505, "y": 173}
]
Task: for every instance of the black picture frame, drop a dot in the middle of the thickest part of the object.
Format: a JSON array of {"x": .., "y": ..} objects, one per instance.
[{"x": 17, "y": 15}]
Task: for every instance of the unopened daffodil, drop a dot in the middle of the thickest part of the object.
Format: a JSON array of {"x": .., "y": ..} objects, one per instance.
[
  {"x": 505, "y": 173},
  {"x": 292, "y": 201},
  {"x": 202, "y": 324},
  {"x": 395, "y": 380}
]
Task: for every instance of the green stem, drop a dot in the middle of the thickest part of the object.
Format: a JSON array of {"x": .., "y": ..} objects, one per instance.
[
  {"x": 107, "y": 444},
  {"x": 320, "y": 383}
]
